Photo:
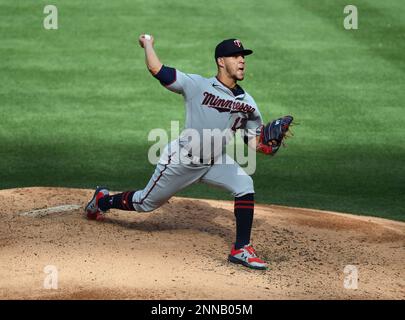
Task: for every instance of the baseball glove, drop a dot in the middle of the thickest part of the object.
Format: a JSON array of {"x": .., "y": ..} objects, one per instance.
[{"x": 273, "y": 134}]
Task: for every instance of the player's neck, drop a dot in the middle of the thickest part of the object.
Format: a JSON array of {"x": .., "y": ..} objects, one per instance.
[{"x": 226, "y": 80}]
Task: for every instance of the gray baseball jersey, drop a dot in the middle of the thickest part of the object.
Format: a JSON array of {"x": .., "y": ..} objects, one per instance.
[{"x": 210, "y": 105}]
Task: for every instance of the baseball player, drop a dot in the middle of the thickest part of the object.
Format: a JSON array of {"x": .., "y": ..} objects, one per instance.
[{"x": 223, "y": 106}]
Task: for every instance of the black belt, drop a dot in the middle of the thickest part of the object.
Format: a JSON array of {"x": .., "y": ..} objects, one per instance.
[{"x": 201, "y": 160}]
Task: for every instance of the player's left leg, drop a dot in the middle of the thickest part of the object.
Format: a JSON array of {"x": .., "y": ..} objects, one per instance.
[{"x": 230, "y": 176}]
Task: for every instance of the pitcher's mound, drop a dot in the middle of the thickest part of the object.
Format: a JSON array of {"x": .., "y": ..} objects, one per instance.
[{"x": 50, "y": 251}]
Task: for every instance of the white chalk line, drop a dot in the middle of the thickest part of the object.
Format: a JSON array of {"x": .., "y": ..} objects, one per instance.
[{"x": 52, "y": 210}]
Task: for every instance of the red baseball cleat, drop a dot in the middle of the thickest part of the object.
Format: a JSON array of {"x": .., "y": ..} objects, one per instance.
[
  {"x": 246, "y": 256},
  {"x": 92, "y": 210}
]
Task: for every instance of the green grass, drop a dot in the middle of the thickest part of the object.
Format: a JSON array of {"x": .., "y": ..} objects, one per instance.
[{"x": 77, "y": 104}]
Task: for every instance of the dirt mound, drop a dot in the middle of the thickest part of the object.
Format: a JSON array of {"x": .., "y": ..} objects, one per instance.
[{"x": 179, "y": 251}]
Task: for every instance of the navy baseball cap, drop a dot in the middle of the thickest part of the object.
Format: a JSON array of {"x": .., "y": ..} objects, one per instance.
[{"x": 230, "y": 47}]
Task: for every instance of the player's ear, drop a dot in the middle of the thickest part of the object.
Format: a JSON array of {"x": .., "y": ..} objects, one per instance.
[{"x": 220, "y": 62}]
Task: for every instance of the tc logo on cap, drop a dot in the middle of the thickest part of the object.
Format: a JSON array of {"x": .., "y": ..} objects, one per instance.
[{"x": 237, "y": 43}]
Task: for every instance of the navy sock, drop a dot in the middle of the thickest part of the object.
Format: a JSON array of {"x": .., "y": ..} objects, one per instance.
[
  {"x": 244, "y": 208},
  {"x": 122, "y": 201}
]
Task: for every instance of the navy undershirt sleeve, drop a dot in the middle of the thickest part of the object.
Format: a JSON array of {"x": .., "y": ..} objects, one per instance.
[{"x": 166, "y": 75}]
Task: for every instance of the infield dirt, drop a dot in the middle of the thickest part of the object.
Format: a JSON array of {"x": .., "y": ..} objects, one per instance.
[{"x": 180, "y": 251}]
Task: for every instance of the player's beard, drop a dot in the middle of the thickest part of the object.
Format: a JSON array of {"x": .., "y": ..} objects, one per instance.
[
  {"x": 236, "y": 73},
  {"x": 239, "y": 75},
  {"x": 233, "y": 71}
]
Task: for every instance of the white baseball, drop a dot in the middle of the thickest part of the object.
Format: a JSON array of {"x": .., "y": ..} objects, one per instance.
[{"x": 147, "y": 37}]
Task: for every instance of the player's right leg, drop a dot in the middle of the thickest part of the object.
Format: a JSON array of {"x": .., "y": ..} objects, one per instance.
[{"x": 170, "y": 176}]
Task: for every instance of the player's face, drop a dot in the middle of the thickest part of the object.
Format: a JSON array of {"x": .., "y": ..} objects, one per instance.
[{"x": 235, "y": 67}]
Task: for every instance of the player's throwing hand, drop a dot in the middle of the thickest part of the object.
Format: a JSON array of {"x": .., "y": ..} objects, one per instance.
[{"x": 145, "y": 38}]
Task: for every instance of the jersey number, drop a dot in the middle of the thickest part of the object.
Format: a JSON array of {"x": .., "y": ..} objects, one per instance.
[{"x": 239, "y": 122}]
